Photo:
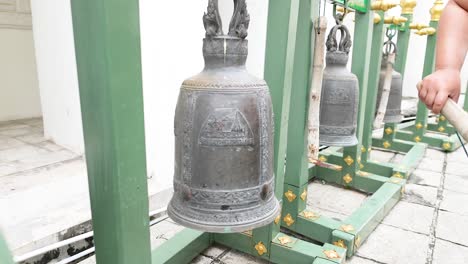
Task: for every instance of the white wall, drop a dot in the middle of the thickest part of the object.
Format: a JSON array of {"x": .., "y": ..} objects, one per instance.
[
  {"x": 172, "y": 51},
  {"x": 171, "y": 39},
  {"x": 19, "y": 91},
  {"x": 56, "y": 65}
]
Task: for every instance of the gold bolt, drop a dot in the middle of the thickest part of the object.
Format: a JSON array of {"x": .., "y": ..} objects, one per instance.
[
  {"x": 277, "y": 219},
  {"x": 407, "y": 6},
  {"x": 417, "y": 26},
  {"x": 398, "y": 175},
  {"x": 386, "y": 144},
  {"x": 331, "y": 254},
  {"x": 419, "y": 126},
  {"x": 388, "y": 131},
  {"x": 349, "y": 160},
  {"x": 323, "y": 159},
  {"x": 288, "y": 220},
  {"x": 417, "y": 139},
  {"x": 304, "y": 195},
  {"x": 447, "y": 146},
  {"x": 261, "y": 249},
  {"x": 340, "y": 243},
  {"x": 395, "y": 20},
  {"x": 284, "y": 240},
  {"x": 426, "y": 31},
  {"x": 290, "y": 195},
  {"x": 377, "y": 18},
  {"x": 441, "y": 129},
  {"x": 436, "y": 10},
  {"x": 347, "y": 178},
  {"x": 310, "y": 215},
  {"x": 347, "y": 228},
  {"x": 363, "y": 149},
  {"x": 442, "y": 118},
  {"x": 382, "y": 5}
]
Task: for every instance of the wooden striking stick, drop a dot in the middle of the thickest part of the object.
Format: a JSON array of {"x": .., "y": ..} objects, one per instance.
[
  {"x": 316, "y": 88},
  {"x": 455, "y": 115},
  {"x": 386, "y": 92}
]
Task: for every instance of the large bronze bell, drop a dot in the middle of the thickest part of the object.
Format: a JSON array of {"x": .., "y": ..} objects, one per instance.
[
  {"x": 340, "y": 94},
  {"x": 393, "y": 112},
  {"x": 223, "y": 178}
]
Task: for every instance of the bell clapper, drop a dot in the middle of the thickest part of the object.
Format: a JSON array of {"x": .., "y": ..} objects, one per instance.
[{"x": 316, "y": 88}]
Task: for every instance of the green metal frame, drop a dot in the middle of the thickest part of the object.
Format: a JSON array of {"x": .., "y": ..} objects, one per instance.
[
  {"x": 108, "y": 57},
  {"x": 5, "y": 256},
  {"x": 441, "y": 134}
]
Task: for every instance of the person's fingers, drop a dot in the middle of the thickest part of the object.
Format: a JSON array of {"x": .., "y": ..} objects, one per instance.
[
  {"x": 422, "y": 92},
  {"x": 455, "y": 95},
  {"x": 439, "y": 102},
  {"x": 430, "y": 97}
]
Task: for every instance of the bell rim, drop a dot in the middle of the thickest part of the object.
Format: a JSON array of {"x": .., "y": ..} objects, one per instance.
[
  {"x": 225, "y": 227},
  {"x": 338, "y": 141}
]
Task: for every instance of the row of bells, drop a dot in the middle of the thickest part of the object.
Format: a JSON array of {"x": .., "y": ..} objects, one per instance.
[{"x": 224, "y": 133}]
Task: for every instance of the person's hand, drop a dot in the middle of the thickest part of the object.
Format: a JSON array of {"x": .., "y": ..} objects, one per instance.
[{"x": 438, "y": 87}]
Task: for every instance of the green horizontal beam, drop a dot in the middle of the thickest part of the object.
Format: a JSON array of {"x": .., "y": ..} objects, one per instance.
[{"x": 182, "y": 248}]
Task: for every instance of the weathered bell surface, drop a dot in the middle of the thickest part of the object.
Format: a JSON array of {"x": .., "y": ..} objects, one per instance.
[
  {"x": 223, "y": 178},
  {"x": 340, "y": 94},
  {"x": 393, "y": 112}
]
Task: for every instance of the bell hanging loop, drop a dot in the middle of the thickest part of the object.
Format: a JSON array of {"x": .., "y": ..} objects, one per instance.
[
  {"x": 223, "y": 173},
  {"x": 340, "y": 93}
]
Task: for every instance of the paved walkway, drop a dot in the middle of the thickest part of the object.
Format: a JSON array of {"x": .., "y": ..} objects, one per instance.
[{"x": 428, "y": 226}]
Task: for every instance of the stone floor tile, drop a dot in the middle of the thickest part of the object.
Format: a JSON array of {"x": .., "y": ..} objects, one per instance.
[
  {"x": 214, "y": 251},
  {"x": 458, "y": 168},
  {"x": 411, "y": 216},
  {"x": 446, "y": 252},
  {"x": 398, "y": 158},
  {"x": 22, "y": 152},
  {"x": 8, "y": 143},
  {"x": 381, "y": 156},
  {"x": 9, "y": 125},
  {"x": 323, "y": 196},
  {"x": 425, "y": 177},
  {"x": 435, "y": 154},
  {"x": 436, "y": 165},
  {"x": 33, "y": 138},
  {"x": 330, "y": 214},
  {"x": 424, "y": 195},
  {"x": 396, "y": 246},
  {"x": 201, "y": 260},
  {"x": 236, "y": 257},
  {"x": 359, "y": 260},
  {"x": 31, "y": 121},
  {"x": 457, "y": 183},
  {"x": 452, "y": 227},
  {"x": 457, "y": 156},
  {"x": 49, "y": 145},
  {"x": 6, "y": 169},
  {"x": 455, "y": 202},
  {"x": 16, "y": 132}
]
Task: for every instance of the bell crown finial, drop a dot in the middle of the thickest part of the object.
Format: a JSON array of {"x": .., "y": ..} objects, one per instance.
[
  {"x": 237, "y": 27},
  {"x": 345, "y": 43},
  {"x": 436, "y": 10}
]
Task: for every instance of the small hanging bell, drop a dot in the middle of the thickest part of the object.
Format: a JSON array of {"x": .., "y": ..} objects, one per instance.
[
  {"x": 393, "y": 112},
  {"x": 223, "y": 177},
  {"x": 340, "y": 93}
]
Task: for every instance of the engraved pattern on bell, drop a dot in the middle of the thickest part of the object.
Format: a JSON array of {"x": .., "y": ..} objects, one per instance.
[
  {"x": 223, "y": 180},
  {"x": 393, "y": 112},
  {"x": 340, "y": 94}
]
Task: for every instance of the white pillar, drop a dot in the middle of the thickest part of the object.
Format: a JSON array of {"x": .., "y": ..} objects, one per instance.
[{"x": 58, "y": 83}]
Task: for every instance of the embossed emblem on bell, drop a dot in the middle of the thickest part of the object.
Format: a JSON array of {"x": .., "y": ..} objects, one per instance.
[
  {"x": 223, "y": 177},
  {"x": 340, "y": 93},
  {"x": 393, "y": 112}
]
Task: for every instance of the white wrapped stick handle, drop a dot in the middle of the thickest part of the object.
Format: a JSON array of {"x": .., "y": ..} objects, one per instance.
[{"x": 455, "y": 115}]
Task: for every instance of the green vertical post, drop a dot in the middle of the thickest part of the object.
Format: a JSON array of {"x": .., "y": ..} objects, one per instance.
[
  {"x": 429, "y": 63},
  {"x": 283, "y": 17},
  {"x": 364, "y": 23},
  {"x": 373, "y": 86},
  {"x": 402, "y": 44},
  {"x": 107, "y": 41},
  {"x": 297, "y": 175},
  {"x": 404, "y": 35},
  {"x": 5, "y": 256}
]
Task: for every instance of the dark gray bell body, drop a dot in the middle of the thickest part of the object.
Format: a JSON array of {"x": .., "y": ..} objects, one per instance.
[
  {"x": 223, "y": 180},
  {"x": 393, "y": 112},
  {"x": 340, "y": 95}
]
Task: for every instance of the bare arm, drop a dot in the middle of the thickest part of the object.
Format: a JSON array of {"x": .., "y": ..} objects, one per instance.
[{"x": 452, "y": 46}]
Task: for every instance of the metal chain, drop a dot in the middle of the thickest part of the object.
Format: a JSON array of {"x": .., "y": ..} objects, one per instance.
[{"x": 389, "y": 45}]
